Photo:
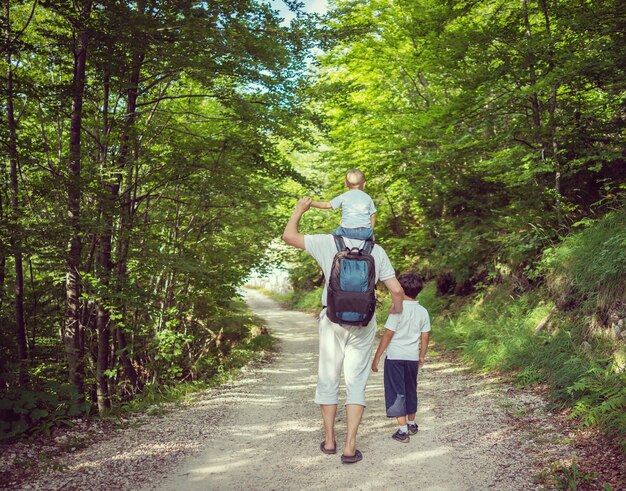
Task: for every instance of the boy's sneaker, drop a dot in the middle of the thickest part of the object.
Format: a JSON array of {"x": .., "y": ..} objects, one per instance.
[
  {"x": 413, "y": 428},
  {"x": 401, "y": 436}
]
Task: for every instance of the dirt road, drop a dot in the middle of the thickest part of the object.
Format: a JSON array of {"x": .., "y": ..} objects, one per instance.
[
  {"x": 269, "y": 437},
  {"x": 263, "y": 431}
]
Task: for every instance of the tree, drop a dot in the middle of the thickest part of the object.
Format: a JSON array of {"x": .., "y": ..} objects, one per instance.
[
  {"x": 156, "y": 126},
  {"x": 10, "y": 43},
  {"x": 463, "y": 114}
]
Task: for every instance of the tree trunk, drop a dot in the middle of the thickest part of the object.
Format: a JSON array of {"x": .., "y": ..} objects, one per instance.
[
  {"x": 72, "y": 326},
  {"x": 532, "y": 77},
  {"x": 106, "y": 240},
  {"x": 16, "y": 241},
  {"x": 35, "y": 307},
  {"x": 103, "y": 315},
  {"x": 105, "y": 265},
  {"x": 551, "y": 113},
  {"x": 3, "y": 259},
  {"x": 126, "y": 213}
]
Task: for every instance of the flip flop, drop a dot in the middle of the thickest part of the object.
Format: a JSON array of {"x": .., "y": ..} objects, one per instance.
[
  {"x": 352, "y": 459},
  {"x": 326, "y": 451}
]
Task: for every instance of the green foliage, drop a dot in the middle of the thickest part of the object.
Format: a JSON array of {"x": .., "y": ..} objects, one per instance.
[
  {"x": 435, "y": 304},
  {"x": 305, "y": 274},
  {"x": 478, "y": 125},
  {"x": 182, "y": 173},
  {"x": 310, "y": 301},
  {"x": 529, "y": 376},
  {"x": 247, "y": 341},
  {"x": 154, "y": 396},
  {"x": 261, "y": 343},
  {"x": 31, "y": 411},
  {"x": 589, "y": 264},
  {"x": 169, "y": 346},
  {"x": 497, "y": 332},
  {"x": 600, "y": 395}
]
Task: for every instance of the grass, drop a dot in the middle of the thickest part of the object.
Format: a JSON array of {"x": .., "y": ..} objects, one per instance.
[
  {"x": 309, "y": 301},
  {"x": 496, "y": 331},
  {"x": 590, "y": 264}
]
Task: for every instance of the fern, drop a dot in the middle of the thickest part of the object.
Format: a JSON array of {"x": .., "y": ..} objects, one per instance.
[{"x": 601, "y": 394}]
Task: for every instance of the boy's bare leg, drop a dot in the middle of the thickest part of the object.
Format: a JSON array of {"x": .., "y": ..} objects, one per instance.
[
  {"x": 411, "y": 417},
  {"x": 329, "y": 411},
  {"x": 354, "y": 413},
  {"x": 401, "y": 420}
]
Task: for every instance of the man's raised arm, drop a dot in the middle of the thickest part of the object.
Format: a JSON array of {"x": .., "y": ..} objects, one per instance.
[{"x": 291, "y": 235}]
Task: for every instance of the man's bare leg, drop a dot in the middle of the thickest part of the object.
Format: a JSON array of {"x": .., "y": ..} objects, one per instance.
[
  {"x": 354, "y": 413},
  {"x": 329, "y": 411}
]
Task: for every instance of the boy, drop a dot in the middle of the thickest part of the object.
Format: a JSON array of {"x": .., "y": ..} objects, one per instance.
[
  {"x": 358, "y": 213},
  {"x": 406, "y": 340}
]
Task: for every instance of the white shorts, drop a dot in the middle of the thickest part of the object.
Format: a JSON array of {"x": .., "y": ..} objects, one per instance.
[{"x": 344, "y": 347}]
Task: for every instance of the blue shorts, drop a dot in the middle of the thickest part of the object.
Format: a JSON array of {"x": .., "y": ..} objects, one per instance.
[
  {"x": 400, "y": 387},
  {"x": 359, "y": 233}
]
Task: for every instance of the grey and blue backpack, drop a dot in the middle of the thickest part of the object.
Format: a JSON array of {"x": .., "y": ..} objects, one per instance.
[{"x": 352, "y": 285}]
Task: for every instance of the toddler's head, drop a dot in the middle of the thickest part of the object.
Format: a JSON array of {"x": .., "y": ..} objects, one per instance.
[
  {"x": 355, "y": 179},
  {"x": 411, "y": 283}
]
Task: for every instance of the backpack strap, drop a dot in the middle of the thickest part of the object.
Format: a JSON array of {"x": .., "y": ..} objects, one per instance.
[
  {"x": 368, "y": 246},
  {"x": 339, "y": 242}
]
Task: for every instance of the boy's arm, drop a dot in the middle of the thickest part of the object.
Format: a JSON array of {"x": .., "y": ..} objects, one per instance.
[
  {"x": 322, "y": 205},
  {"x": 382, "y": 346},
  {"x": 373, "y": 220},
  {"x": 423, "y": 347}
]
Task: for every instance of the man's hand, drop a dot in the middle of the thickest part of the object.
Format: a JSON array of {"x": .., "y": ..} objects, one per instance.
[
  {"x": 375, "y": 364},
  {"x": 397, "y": 294},
  {"x": 420, "y": 363},
  {"x": 393, "y": 309},
  {"x": 303, "y": 204},
  {"x": 292, "y": 235}
]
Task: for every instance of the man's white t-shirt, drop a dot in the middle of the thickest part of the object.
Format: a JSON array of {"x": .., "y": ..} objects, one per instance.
[
  {"x": 356, "y": 208},
  {"x": 323, "y": 250},
  {"x": 407, "y": 326}
]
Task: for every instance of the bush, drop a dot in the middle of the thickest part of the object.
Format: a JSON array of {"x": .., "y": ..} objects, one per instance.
[{"x": 28, "y": 411}]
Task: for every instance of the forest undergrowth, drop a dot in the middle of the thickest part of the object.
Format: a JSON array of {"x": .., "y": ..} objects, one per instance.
[{"x": 241, "y": 338}]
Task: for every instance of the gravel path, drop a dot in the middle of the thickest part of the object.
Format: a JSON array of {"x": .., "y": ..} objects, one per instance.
[{"x": 263, "y": 432}]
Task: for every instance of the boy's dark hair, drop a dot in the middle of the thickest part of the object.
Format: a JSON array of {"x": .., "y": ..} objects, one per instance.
[{"x": 411, "y": 283}]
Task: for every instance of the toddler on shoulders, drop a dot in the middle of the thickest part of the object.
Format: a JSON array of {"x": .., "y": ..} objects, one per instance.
[{"x": 358, "y": 213}]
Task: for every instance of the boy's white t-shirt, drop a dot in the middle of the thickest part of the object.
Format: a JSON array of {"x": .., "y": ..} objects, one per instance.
[
  {"x": 323, "y": 249},
  {"x": 407, "y": 326},
  {"x": 356, "y": 208}
]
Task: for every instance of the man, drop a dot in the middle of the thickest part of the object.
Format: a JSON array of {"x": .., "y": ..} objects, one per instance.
[{"x": 341, "y": 347}]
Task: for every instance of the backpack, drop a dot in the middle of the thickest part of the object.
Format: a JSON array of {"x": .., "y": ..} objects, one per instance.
[{"x": 352, "y": 285}]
